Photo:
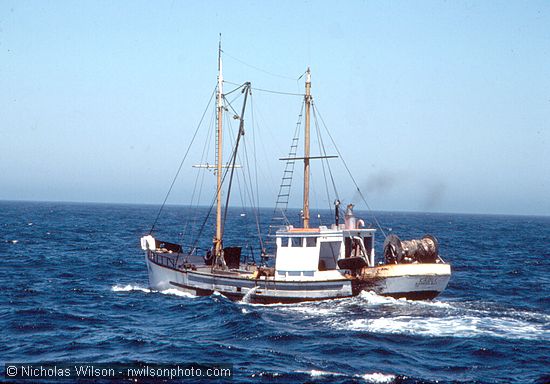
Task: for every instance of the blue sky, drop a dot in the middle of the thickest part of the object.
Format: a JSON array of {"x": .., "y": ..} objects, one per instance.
[{"x": 437, "y": 106}]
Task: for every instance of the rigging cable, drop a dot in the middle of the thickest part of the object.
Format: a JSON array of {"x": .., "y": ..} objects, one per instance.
[
  {"x": 256, "y": 117},
  {"x": 278, "y": 92},
  {"x": 315, "y": 199},
  {"x": 251, "y": 196},
  {"x": 234, "y": 90},
  {"x": 257, "y": 206},
  {"x": 351, "y": 176},
  {"x": 195, "y": 242},
  {"x": 323, "y": 152},
  {"x": 260, "y": 69},
  {"x": 200, "y": 176},
  {"x": 181, "y": 163},
  {"x": 232, "y": 161},
  {"x": 235, "y": 155},
  {"x": 269, "y": 91}
]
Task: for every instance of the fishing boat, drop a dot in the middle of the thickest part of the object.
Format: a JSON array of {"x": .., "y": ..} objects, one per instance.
[{"x": 307, "y": 262}]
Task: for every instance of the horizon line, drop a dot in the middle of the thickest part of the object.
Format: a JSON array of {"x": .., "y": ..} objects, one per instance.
[{"x": 264, "y": 207}]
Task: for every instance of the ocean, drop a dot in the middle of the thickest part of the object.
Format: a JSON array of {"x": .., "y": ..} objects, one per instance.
[{"x": 74, "y": 288}]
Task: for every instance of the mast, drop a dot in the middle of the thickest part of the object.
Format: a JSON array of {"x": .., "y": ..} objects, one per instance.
[
  {"x": 219, "y": 105},
  {"x": 306, "y": 150}
]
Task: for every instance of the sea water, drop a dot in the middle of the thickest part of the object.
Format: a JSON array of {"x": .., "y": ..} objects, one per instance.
[{"x": 74, "y": 287}]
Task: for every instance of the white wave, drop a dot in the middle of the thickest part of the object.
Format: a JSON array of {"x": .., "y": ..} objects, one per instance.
[
  {"x": 528, "y": 314},
  {"x": 316, "y": 373},
  {"x": 14, "y": 241},
  {"x": 129, "y": 288},
  {"x": 377, "y": 377},
  {"x": 312, "y": 310},
  {"x": 319, "y": 373},
  {"x": 369, "y": 377},
  {"x": 176, "y": 292},
  {"x": 433, "y": 303},
  {"x": 248, "y": 295},
  {"x": 453, "y": 326},
  {"x": 372, "y": 298}
]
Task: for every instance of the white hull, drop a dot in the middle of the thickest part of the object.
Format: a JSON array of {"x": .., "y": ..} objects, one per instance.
[{"x": 411, "y": 281}]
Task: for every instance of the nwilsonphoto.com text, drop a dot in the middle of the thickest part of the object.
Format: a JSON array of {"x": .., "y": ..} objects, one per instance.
[{"x": 116, "y": 371}]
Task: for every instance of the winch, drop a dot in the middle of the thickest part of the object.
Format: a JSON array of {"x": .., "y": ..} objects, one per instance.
[{"x": 425, "y": 250}]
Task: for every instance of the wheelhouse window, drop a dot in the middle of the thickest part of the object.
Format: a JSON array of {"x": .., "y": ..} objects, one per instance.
[
  {"x": 311, "y": 241},
  {"x": 284, "y": 241},
  {"x": 296, "y": 241}
]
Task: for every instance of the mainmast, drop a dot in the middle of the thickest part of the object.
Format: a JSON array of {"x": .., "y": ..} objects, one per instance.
[
  {"x": 306, "y": 151},
  {"x": 219, "y": 105}
]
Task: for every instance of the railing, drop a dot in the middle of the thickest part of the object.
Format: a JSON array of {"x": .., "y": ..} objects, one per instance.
[{"x": 168, "y": 260}]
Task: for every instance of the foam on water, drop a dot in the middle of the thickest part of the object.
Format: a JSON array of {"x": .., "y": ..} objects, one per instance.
[
  {"x": 452, "y": 326},
  {"x": 374, "y": 377},
  {"x": 248, "y": 295},
  {"x": 377, "y": 377},
  {"x": 372, "y": 298},
  {"x": 129, "y": 288},
  {"x": 317, "y": 373},
  {"x": 386, "y": 315},
  {"x": 310, "y": 310},
  {"x": 137, "y": 288},
  {"x": 176, "y": 292},
  {"x": 367, "y": 300}
]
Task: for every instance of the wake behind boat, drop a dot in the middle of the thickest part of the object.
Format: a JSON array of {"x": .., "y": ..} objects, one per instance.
[{"x": 308, "y": 263}]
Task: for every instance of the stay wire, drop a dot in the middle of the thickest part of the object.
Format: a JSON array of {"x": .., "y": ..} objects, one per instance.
[
  {"x": 351, "y": 176},
  {"x": 269, "y": 90},
  {"x": 201, "y": 229},
  {"x": 252, "y": 198},
  {"x": 192, "y": 219},
  {"x": 234, "y": 90},
  {"x": 232, "y": 161},
  {"x": 323, "y": 153},
  {"x": 257, "y": 206},
  {"x": 278, "y": 92},
  {"x": 259, "y": 69},
  {"x": 181, "y": 163}
]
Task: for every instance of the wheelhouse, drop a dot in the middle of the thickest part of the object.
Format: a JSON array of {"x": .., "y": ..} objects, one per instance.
[{"x": 309, "y": 252}]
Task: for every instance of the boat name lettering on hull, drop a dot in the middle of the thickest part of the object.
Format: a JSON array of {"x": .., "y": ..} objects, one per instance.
[{"x": 426, "y": 281}]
